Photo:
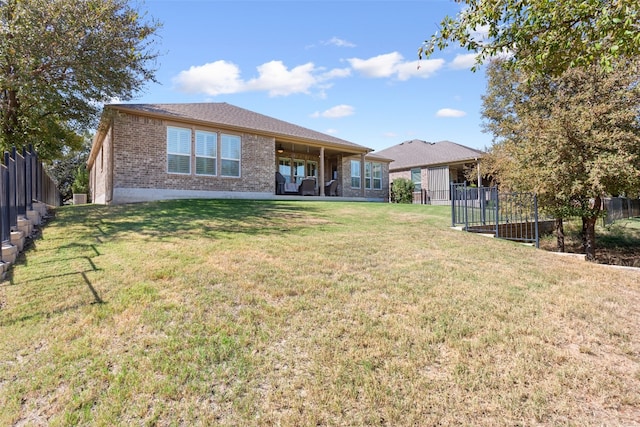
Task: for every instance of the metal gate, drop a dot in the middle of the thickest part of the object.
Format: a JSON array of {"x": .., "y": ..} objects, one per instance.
[{"x": 511, "y": 216}]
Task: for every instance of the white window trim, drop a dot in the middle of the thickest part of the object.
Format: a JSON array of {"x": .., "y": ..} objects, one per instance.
[
  {"x": 190, "y": 154},
  {"x": 358, "y": 173},
  {"x": 196, "y": 156},
  {"x": 373, "y": 176},
  {"x": 239, "y": 159}
]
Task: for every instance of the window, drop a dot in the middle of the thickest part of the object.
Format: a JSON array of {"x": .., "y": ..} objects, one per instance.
[
  {"x": 377, "y": 176},
  {"x": 355, "y": 174},
  {"x": 206, "y": 152},
  {"x": 298, "y": 170},
  {"x": 178, "y": 150},
  {"x": 284, "y": 167},
  {"x": 367, "y": 175},
  {"x": 230, "y": 155},
  {"x": 373, "y": 175},
  {"x": 416, "y": 178},
  {"x": 312, "y": 169}
]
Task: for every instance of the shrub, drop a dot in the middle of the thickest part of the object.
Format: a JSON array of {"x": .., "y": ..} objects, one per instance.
[
  {"x": 402, "y": 190},
  {"x": 81, "y": 181}
]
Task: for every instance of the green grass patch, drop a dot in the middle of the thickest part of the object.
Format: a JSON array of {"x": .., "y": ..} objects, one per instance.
[{"x": 229, "y": 312}]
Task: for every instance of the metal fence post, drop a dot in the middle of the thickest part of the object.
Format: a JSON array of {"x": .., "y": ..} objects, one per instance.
[
  {"x": 497, "y": 214},
  {"x": 466, "y": 218},
  {"x": 453, "y": 205},
  {"x": 535, "y": 210}
]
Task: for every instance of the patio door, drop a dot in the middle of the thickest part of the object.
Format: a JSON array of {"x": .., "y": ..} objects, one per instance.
[
  {"x": 298, "y": 170},
  {"x": 284, "y": 167}
]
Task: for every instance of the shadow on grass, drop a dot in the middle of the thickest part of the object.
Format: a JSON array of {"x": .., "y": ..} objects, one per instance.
[
  {"x": 179, "y": 218},
  {"x": 60, "y": 268}
]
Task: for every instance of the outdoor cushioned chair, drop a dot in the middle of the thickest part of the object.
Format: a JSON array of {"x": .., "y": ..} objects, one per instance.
[
  {"x": 330, "y": 188},
  {"x": 280, "y": 181},
  {"x": 307, "y": 187}
]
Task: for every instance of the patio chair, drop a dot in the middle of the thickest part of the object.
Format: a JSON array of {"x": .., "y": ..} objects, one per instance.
[
  {"x": 307, "y": 187},
  {"x": 280, "y": 181},
  {"x": 330, "y": 188}
]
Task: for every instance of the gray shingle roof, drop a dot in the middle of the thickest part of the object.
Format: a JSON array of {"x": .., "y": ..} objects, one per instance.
[
  {"x": 224, "y": 114},
  {"x": 418, "y": 153}
]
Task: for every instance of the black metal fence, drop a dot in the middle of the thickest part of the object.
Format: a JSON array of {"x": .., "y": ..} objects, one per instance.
[
  {"x": 23, "y": 181},
  {"x": 511, "y": 216},
  {"x": 431, "y": 197},
  {"x": 618, "y": 208}
]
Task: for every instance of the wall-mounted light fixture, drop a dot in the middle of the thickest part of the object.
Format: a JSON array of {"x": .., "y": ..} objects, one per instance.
[{"x": 280, "y": 149}]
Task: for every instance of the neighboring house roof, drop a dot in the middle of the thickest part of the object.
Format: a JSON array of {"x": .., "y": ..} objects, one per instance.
[
  {"x": 224, "y": 114},
  {"x": 418, "y": 153}
]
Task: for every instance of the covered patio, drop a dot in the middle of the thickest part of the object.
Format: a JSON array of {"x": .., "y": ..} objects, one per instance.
[{"x": 310, "y": 169}]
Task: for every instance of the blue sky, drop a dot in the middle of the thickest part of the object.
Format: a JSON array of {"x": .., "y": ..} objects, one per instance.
[{"x": 347, "y": 68}]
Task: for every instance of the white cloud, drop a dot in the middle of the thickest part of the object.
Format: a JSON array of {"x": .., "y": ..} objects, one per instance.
[
  {"x": 461, "y": 62},
  {"x": 335, "y": 112},
  {"x": 331, "y": 131},
  {"x": 215, "y": 78},
  {"x": 275, "y": 78},
  {"x": 222, "y": 77},
  {"x": 336, "y": 41},
  {"x": 335, "y": 73},
  {"x": 450, "y": 112},
  {"x": 393, "y": 64}
]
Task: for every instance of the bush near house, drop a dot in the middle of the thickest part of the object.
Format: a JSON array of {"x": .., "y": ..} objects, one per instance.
[{"x": 402, "y": 190}]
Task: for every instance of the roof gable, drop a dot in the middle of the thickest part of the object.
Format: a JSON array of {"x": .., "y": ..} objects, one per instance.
[
  {"x": 224, "y": 114},
  {"x": 418, "y": 153}
]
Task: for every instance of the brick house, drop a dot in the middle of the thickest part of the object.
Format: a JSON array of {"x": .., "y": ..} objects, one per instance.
[
  {"x": 431, "y": 166},
  {"x": 145, "y": 152}
]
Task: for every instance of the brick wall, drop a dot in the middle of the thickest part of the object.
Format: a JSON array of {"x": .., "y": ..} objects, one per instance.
[
  {"x": 345, "y": 181},
  {"x": 100, "y": 174},
  {"x": 140, "y": 159}
]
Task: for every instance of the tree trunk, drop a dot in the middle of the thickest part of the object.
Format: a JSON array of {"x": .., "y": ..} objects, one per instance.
[
  {"x": 589, "y": 230},
  {"x": 590, "y": 238},
  {"x": 560, "y": 234},
  {"x": 583, "y": 234}
]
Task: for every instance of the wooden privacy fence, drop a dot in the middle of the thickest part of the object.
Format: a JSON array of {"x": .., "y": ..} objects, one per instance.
[{"x": 25, "y": 192}]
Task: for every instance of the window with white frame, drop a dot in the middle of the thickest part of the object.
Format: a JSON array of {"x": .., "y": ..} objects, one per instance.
[
  {"x": 298, "y": 170},
  {"x": 312, "y": 169},
  {"x": 355, "y": 174},
  {"x": 230, "y": 155},
  {"x": 377, "y": 176},
  {"x": 178, "y": 150},
  {"x": 373, "y": 175},
  {"x": 416, "y": 178},
  {"x": 206, "y": 152},
  {"x": 284, "y": 167}
]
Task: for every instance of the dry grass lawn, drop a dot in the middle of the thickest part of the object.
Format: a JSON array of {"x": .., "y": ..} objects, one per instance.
[{"x": 246, "y": 313}]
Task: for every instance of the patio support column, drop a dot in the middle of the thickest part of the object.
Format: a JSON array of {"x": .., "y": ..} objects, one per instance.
[
  {"x": 321, "y": 177},
  {"x": 362, "y": 177}
]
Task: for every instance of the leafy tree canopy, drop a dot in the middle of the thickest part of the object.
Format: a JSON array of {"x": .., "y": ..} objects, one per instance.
[
  {"x": 570, "y": 138},
  {"x": 60, "y": 60},
  {"x": 543, "y": 36}
]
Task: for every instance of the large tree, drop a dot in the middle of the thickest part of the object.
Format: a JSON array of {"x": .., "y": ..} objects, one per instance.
[
  {"x": 60, "y": 60},
  {"x": 543, "y": 36},
  {"x": 570, "y": 138}
]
